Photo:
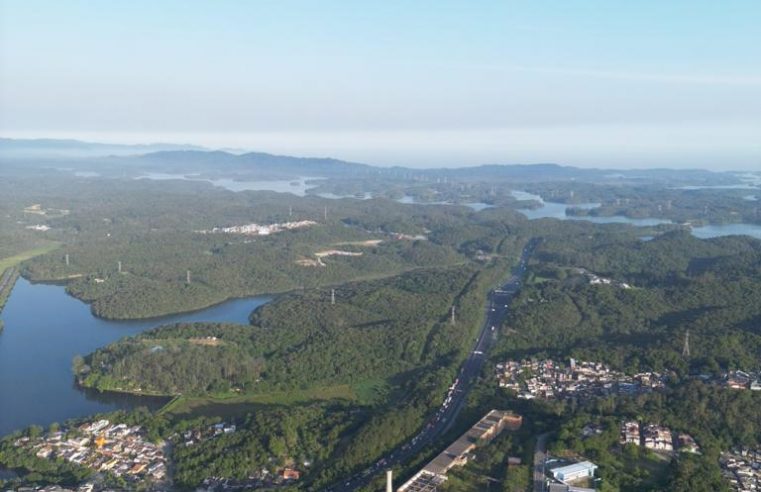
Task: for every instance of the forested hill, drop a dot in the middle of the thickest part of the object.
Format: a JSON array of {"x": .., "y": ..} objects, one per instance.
[
  {"x": 375, "y": 330},
  {"x": 259, "y": 162},
  {"x": 51, "y": 147},
  {"x": 171, "y": 158},
  {"x": 630, "y": 302}
]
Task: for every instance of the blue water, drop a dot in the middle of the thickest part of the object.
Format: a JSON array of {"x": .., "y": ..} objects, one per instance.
[
  {"x": 477, "y": 206},
  {"x": 296, "y": 187},
  {"x": 558, "y": 211},
  {"x": 709, "y": 231},
  {"x": 45, "y": 328}
]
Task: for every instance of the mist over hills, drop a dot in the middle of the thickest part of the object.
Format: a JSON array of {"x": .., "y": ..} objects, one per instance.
[
  {"x": 180, "y": 158},
  {"x": 51, "y": 148}
]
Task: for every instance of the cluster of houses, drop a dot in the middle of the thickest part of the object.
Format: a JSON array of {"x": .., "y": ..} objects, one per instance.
[
  {"x": 262, "y": 479},
  {"x": 38, "y": 227},
  {"x": 742, "y": 380},
  {"x": 194, "y": 436},
  {"x": 106, "y": 447},
  {"x": 742, "y": 468},
  {"x": 595, "y": 279},
  {"x": 553, "y": 380},
  {"x": 656, "y": 438},
  {"x": 258, "y": 229},
  {"x": 89, "y": 487}
]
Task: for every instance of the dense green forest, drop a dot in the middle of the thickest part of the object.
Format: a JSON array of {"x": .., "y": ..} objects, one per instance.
[
  {"x": 375, "y": 329},
  {"x": 150, "y": 227},
  {"x": 267, "y": 438},
  {"x": 710, "y": 287}
]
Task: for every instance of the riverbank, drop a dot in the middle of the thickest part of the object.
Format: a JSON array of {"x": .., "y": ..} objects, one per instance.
[{"x": 7, "y": 281}]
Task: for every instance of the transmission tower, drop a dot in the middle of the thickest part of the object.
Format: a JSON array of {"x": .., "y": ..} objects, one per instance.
[
  {"x": 67, "y": 259},
  {"x": 333, "y": 297},
  {"x": 686, "y": 348},
  {"x": 187, "y": 277},
  {"x": 119, "y": 265},
  {"x": 453, "y": 318}
]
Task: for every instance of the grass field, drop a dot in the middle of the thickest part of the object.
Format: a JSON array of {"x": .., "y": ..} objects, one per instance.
[
  {"x": 189, "y": 407},
  {"x": 14, "y": 260},
  {"x": 372, "y": 391}
]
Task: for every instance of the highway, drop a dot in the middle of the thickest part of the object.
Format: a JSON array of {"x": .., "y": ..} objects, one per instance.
[
  {"x": 498, "y": 302},
  {"x": 540, "y": 461}
]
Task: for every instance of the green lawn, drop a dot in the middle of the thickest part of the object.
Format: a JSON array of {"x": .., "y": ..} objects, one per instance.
[
  {"x": 14, "y": 260},
  {"x": 189, "y": 407}
]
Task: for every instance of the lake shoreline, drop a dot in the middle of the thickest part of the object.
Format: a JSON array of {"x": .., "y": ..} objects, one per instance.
[{"x": 45, "y": 328}]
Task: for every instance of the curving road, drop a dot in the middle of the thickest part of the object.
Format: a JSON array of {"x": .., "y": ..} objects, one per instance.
[{"x": 499, "y": 300}]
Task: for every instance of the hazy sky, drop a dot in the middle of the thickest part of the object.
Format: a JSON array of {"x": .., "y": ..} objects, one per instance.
[{"x": 591, "y": 83}]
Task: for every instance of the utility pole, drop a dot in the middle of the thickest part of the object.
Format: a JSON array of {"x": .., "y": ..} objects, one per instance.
[
  {"x": 686, "y": 348},
  {"x": 187, "y": 277},
  {"x": 326, "y": 214},
  {"x": 119, "y": 264},
  {"x": 332, "y": 297},
  {"x": 453, "y": 319},
  {"x": 66, "y": 259},
  {"x": 389, "y": 481}
]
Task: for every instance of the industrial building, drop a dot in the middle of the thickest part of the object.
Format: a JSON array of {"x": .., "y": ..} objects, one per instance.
[
  {"x": 435, "y": 473},
  {"x": 574, "y": 471}
]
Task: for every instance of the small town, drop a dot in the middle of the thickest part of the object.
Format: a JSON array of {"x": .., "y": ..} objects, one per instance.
[
  {"x": 103, "y": 446},
  {"x": 548, "y": 379},
  {"x": 742, "y": 469},
  {"x": 258, "y": 229}
]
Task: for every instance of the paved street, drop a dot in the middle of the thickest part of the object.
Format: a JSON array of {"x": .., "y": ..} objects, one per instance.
[{"x": 540, "y": 458}]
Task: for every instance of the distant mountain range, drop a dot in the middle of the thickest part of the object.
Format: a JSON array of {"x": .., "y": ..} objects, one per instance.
[
  {"x": 172, "y": 158},
  {"x": 219, "y": 161},
  {"x": 48, "y": 147}
]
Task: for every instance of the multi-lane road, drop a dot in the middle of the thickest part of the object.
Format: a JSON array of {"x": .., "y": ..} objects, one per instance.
[
  {"x": 540, "y": 463},
  {"x": 498, "y": 303}
]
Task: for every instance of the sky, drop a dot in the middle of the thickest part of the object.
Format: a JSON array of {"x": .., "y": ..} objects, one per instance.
[{"x": 603, "y": 83}]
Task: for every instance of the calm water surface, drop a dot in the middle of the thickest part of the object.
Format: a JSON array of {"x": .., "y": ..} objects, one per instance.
[
  {"x": 45, "y": 328},
  {"x": 558, "y": 211},
  {"x": 296, "y": 187}
]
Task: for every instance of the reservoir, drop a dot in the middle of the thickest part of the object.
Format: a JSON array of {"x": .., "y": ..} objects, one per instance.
[
  {"x": 558, "y": 211},
  {"x": 45, "y": 328}
]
